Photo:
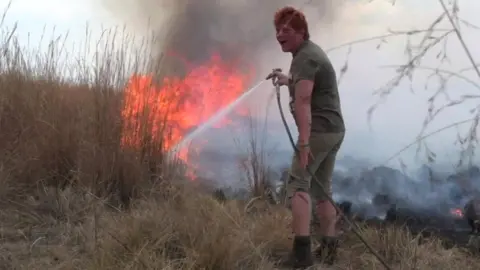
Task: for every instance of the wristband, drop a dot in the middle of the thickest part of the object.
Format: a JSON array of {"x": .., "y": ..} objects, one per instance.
[{"x": 304, "y": 145}]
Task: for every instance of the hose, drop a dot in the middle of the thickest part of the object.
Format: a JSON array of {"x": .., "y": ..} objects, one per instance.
[{"x": 351, "y": 223}]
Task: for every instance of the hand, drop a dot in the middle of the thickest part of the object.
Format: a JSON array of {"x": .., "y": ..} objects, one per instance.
[
  {"x": 277, "y": 77},
  {"x": 304, "y": 155}
]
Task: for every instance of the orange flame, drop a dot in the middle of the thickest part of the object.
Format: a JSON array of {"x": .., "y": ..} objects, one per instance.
[{"x": 178, "y": 105}]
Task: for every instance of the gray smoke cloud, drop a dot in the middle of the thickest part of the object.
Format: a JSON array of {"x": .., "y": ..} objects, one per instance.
[
  {"x": 244, "y": 28},
  {"x": 195, "y": 29}
]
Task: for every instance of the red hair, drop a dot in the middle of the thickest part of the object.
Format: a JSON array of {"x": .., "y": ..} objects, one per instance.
[{"x": 292, "y": 17}]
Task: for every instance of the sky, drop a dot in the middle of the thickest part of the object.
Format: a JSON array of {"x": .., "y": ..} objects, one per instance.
[{"x": 397, "y": 121}]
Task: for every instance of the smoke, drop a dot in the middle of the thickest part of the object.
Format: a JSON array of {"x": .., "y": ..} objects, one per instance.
[{"x": 196, "y": 29}]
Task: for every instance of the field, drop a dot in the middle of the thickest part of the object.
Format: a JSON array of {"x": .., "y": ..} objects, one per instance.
[{"x": 75, "y": 195}]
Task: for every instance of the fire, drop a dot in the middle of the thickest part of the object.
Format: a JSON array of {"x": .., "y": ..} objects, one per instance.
[
  {"x": 456, "y": 212},
  {"x": 175, "y": 107}
]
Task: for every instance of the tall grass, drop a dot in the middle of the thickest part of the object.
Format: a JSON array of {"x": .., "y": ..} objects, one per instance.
[{"x": 61, "y": 121}]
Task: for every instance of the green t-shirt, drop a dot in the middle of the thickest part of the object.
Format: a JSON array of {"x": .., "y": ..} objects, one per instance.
[{"x": 310, "y": 62}]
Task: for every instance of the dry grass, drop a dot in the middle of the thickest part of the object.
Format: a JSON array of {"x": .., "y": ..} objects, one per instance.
[
  {"x": 182, "y": 229},
  {"x": 72, "y": 198}
]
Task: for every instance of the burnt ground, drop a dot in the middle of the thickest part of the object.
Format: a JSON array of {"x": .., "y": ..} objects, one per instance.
[{"x": 452, "y": 231}]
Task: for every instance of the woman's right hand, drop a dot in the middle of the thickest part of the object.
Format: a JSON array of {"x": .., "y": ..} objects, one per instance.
[{"x": 277, "y": 77}]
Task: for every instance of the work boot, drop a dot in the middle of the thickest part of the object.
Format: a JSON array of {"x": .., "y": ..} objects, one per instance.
[
  {"x": 327, "y": 251},
  {"x": 301, "y": 255}
]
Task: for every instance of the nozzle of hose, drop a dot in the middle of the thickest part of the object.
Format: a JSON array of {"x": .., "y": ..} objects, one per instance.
[{"x": 272, "y": 76}]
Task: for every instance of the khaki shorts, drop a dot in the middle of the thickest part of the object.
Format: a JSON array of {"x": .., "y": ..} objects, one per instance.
[{"x": 324, "y": 148}]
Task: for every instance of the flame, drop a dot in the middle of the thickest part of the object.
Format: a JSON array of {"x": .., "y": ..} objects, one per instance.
[
  {"x": 167, "y": 112},
  {"x": 457, "y": 212}
]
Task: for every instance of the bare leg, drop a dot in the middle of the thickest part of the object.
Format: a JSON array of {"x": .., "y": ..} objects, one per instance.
[
  {"x": 301, "y": 214},
  {"x": 327, "y": 216}
]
